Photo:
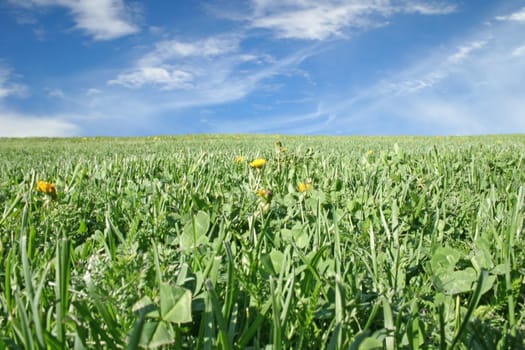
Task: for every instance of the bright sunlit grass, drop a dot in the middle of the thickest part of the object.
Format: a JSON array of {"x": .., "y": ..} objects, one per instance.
[{"x": 237, "y": 242}]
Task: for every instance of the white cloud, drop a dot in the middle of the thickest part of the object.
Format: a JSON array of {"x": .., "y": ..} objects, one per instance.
[
  {"x": 103, "y": 19},
  {"x": 56, "y": 93},
  {"x": 425, "y": 76},
  {"x": 411, "y": 85},
  {"x": 175, "y": 64},
  {"x": 20, "y": 125},
  {"x": 428, "y": 8},
  {"x": 314, "y": 23},
  {"x": 475, "y": 88},
  {"x": 93, "y": 91},
  {"x": 15, "y": 124},
  {"x": 217, "y": 80},
  {"x": 167, "y": 50},
  {"x": 318, "y": 20},
  {"x": 519, "y": 51},
  {"x": 464, "y": 51},
  {"x": 8, "y": 88},
  {"x": 518, "y": 16},
  {"x": 166, "y": 78},
  {"x": 202, "y": 72}
]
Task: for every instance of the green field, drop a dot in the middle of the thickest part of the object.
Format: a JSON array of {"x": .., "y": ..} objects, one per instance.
[{"x": 172, "y": 242}]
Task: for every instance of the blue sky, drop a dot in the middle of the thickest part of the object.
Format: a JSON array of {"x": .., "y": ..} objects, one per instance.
[{"x": 365, "y": 67}]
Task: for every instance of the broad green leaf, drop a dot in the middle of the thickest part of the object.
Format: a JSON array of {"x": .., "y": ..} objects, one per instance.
[
  {"x": 194, "y": 232},
  {"x": 301, "y": 238},
  {"x": 202, "y": 223},
  {"x": 298, "y": 234},
  {"x": 156, "y": 334},
  {"x": 482, "y": 258},
  {"x": 145, "y": 305},
  {"x": 488, "y": 283},
  {"x": 277, "y": 258},
  {"x": 445, "y": 259},
  {"x": 457, "y": 281},
  {"x": 272, "y": 262},
  {"x": 370, "y": 343},
  {"x": 175, "y": 303}
]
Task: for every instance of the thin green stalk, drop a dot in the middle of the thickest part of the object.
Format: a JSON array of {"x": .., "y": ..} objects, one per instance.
[
  {"x": 62, "y": 280},
  {"x": 473, "y": 303},
  {"x": 276, "y": 311}
]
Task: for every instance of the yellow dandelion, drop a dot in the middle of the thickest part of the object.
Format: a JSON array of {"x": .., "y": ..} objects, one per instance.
[
  {"x": 238, "y": 159},
  {"x": 370, "y": 152},
  {"x": 258, "y": 163},
  {"x": 46, "y": 187},
  {"x": 304, "y": 186},
  {"x": 265, "y": 194}
]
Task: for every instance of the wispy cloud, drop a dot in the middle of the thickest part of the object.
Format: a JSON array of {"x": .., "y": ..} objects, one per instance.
[
  {"x": 92, "y": 91},
  {"x": 56, "y": 93},
  {"x": 519, "y": 51},
  {"x": 102, "y": 19},
  {"x": 518, "y": 16},
  {"x": 175, "y": 64},
  {"x": 7, "y": 87},
  {"x": 426, "y": 8},
  {"x": 16, "y": 124},
  {"x": 426, "y": 76},
  {"x": 207, "y": 71},
  {"x": 464, "y": 51},
  {"x": 318, "y": 20},
  {"x": 167, "y": 50},
  {"x": 166, "y": 78},
  {"x": 472, "y": 88}
]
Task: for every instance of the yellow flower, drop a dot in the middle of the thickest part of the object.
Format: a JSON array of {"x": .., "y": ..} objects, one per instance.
[
  {"x": 258, "y": 163},
  {"x": 369, "y": 153},
  {"x": 265, "y": 194},
  {"x": 302, "y": 187},
  {"x": 46, "y": 187},
  {"x": 238, "y": 159}
]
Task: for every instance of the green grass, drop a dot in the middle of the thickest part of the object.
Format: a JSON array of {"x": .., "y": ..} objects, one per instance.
[{"x": 162, "y": 242}]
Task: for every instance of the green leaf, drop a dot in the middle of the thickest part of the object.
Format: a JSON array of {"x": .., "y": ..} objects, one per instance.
[
  {"x": 146, "y": 306},
  {"x": 457, "y": 282},
  {"x": 175, "y": 303},
  {"x": 156, "y": 334},
  {"x": 482, "y": 258},
  {"x": 202, "y": 223},
  {"x": 370, "y": 343},
  {"x": 277, "y": 258},
  {"x": 444, "y": 259},
  {"x": 298, "y": 234},
  {"x": 271, "y": 263},
  {"x": 415, "y": 333},
  {"x": 301, "y": 238},
  {"x": 194, "y": 232}
]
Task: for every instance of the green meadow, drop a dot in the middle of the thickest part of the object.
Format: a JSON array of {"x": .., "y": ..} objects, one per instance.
[{"x": 333, "y": 243}]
